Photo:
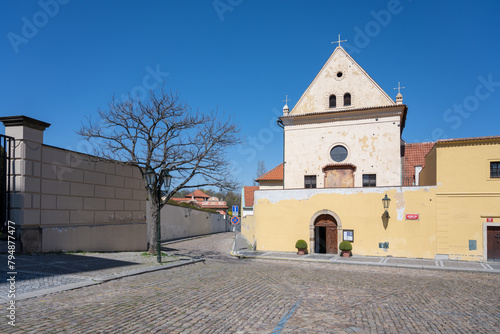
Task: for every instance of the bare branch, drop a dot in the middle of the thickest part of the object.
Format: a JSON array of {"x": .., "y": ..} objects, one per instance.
[{"x": 164, "y": 133}]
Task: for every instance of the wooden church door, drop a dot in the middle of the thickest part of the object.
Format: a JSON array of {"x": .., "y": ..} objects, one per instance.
[
  {"x": 329, "y": 224},
  {"x": 331, "y": 239}
]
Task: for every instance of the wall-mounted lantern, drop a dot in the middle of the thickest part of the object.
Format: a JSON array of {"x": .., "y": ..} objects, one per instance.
[{"x": 386, "y": 200}]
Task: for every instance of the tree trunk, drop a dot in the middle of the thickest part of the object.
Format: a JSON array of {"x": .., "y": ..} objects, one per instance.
[{"x": 153, "y": 224}]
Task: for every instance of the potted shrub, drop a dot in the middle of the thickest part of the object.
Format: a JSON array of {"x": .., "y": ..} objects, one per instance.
[
  {"x": 301, "y": 246},
  {"x": 346, "y": 247}
]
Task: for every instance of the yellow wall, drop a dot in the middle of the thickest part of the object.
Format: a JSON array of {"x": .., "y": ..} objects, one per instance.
[
  {"x": 452, "y": 212},
  {"x": 428, "y": 174},
  {"x": 465, "y": 167},
  {"x": 466, "y": 196},
  {"x": 248, "y": 227},
  {"x": 281, "y": 218}
]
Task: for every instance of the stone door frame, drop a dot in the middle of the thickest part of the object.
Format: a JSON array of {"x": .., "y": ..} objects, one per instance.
[{"x": 312, "y": 241}]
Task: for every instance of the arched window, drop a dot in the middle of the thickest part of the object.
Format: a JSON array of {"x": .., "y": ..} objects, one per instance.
[
  {"x": 333, "y": 101},
  {"x": 347, "y": 100}
]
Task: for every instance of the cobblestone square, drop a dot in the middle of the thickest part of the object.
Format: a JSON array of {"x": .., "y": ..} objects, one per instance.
[{"x": 228, "y": 295}]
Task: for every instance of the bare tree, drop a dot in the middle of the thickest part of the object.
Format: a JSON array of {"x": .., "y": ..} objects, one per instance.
[
  {"x": 163, "y": 133},
  {"x": 261, "y": 170}
]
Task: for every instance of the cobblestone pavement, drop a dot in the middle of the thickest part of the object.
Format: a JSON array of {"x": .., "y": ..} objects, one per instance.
[
  {"x": 227, "y": 295},
  {"x": 43, "y": 271}
]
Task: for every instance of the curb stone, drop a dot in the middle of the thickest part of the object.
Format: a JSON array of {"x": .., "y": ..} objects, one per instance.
[{"x": 391, "y": 265}]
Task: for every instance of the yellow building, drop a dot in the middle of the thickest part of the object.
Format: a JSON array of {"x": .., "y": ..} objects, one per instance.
[
  {"x": 467, "y": 174},
  {"x": 342, "y": 158}
]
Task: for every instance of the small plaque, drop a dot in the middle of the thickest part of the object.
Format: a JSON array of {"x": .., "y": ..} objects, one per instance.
[{"x": 472, "y": 245}]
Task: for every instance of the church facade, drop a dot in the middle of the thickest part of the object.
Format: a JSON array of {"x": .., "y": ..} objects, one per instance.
[
  {"x": 344, "y": 131},
  {"x": 348, "y": 175}
]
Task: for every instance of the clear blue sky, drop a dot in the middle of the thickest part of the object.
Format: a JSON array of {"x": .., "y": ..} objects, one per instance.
[{"x": 243, "y": 56}]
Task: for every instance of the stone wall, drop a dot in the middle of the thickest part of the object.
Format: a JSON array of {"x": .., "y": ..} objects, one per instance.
[
  {"x": 62, "y": 201},
  {"x": 178, "y": 222}
]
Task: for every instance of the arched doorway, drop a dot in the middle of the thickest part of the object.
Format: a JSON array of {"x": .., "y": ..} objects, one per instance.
[{"x": 325, "y": 234}]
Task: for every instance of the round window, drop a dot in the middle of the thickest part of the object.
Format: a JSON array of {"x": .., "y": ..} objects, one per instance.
[
  {"x": 338, "y": 153},
  {"x": 339, "y": 74}
]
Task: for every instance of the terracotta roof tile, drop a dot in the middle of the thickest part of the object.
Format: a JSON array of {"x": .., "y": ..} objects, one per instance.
[
  {"x": 275, "y": 174},
  {"x": 249, "y": 195},
  {"x": 468, "y": 139},
  {"x": 197, "y": 193},
  {"x": 414, "y": 155}
]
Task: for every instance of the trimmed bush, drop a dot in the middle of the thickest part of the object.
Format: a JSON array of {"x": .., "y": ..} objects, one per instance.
[
  {"x": 301, "y": 244},
  {"x": 345, "y": 246}
]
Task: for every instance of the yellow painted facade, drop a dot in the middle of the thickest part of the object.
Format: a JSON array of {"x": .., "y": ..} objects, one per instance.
[
  {"x": 453, "y": 212},
  {"x": 467, "y": 197},
  {"x": 283, "y": 217}
]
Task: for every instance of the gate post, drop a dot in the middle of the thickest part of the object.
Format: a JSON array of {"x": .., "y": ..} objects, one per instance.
[{"x": 25, "y": 199}]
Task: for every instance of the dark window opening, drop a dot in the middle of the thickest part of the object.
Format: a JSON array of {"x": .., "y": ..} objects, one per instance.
[
  {"x": 495, "y": 169},
  {"x": 339, "y": 74},
  {"x": 347, "y": 100},
  {"x": 310, "y": 181},
  {"x": 338, "y": 153},
  {"x": 333, "y": 101},
  {"x": 369, "y": 180}
]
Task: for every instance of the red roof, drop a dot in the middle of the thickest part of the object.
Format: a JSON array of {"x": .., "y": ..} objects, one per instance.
[
  {"x": 198, "y": 194},
  {"x": 248, "y": 193},
  {"x": 275, "y": 174},
  {"x": 414, "y": 155}
]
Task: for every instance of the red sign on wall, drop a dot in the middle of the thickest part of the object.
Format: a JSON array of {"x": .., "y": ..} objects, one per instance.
[
  {"x": 412, "y": 216},
  {"x": 489, "y": 220}
]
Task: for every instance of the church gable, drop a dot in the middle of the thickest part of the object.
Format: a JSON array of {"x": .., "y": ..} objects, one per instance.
[{"x": 341, "y": 85}]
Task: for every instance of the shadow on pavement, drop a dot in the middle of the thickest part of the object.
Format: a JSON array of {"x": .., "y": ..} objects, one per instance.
[{"x": 35, "y": 266}]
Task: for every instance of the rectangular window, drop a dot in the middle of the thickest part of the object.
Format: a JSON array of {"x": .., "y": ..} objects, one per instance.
[
  {"x": 369, "y": 180},
  {"x": 495, "y": 169},
  {"x": 310, "y": 181}
]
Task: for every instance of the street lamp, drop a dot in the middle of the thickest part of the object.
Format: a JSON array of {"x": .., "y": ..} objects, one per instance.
[
  {"x": 386, "y": 200},
  {"x": 164, "y": 179}
]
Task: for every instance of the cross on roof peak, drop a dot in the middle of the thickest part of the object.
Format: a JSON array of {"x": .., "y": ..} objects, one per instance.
[
  {"x": 399, "y": 87},
  {"x": 286, "y": 100},
  {"x": 339, "y": 41}
]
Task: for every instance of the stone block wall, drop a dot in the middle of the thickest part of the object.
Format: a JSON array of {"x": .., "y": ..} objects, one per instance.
[{"x": 63, "y": 201}]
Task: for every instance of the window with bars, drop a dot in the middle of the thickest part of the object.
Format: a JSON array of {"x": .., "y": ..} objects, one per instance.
[
  {"x": 495, "y": 169},
  {"x": 369, "y": 180},
  {"x": 310, "y": 181}
]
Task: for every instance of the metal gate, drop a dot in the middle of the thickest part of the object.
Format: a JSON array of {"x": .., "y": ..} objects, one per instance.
[{"x": 6, "y": 157}]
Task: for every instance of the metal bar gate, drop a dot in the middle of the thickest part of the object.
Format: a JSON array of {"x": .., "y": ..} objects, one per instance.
[{"x": 6, "y": 170}]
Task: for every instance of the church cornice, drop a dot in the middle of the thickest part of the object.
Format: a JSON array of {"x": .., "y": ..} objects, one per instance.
[{"x": 346, "y": 115}]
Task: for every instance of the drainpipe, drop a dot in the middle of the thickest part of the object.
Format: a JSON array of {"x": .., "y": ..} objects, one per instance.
[{"x": 281, "y": 125}]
